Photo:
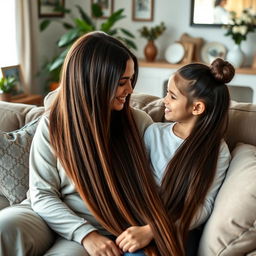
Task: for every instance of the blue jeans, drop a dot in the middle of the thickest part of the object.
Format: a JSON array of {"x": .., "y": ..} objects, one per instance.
[{"x": 138, "y": 253}]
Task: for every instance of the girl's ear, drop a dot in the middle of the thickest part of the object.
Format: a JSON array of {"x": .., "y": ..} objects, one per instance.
[{"x": 198, "y": 108}]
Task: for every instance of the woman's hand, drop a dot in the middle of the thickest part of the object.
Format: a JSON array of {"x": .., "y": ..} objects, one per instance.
[
  {"x": 134, "y": 238},
  {"x": 98, "y": 245}
]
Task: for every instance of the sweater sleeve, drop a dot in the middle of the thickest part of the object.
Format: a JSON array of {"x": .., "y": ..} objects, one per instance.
[
  {"x": 222, "y": 165},
  {"x": 45, "y": 186}
]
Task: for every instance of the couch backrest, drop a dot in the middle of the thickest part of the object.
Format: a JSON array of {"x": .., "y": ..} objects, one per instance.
[
  {"x": 13, "y": 115},
  {"x": 242, "y": 118},
  {"x": 242, "y": 124}
]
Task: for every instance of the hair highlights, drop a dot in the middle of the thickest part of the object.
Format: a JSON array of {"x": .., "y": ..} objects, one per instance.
[{"x": 101, "y": 150}]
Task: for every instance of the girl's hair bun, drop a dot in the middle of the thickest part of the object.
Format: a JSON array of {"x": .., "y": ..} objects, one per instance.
[{"x": 222, "y": 70}]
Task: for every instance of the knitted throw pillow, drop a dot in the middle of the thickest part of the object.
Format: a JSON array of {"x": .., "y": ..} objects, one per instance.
[{"x": 14, "y": 161}]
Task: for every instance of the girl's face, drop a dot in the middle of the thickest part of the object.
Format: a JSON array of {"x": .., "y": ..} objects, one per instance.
[
  {"x": 124, "y": 87},
  {"x": 177, "y": 108}
]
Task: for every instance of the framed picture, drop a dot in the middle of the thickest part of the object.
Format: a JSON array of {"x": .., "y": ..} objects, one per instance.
[
  {"x": 14, "y": 71},
  {"x": 142, "y": 10},
  {"x": 107, "y": 7},
  {"x": 51, "y": 8}
]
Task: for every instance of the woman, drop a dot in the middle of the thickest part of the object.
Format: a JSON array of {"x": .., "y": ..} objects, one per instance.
[{"x": 89, "y": 175}]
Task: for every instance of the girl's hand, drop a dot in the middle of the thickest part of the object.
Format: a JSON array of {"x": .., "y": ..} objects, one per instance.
[
  {"x": 134, "y": 238},
  {"x": 98, "y": 245}
]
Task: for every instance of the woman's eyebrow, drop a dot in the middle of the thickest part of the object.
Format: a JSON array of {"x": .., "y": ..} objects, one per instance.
[{"x": 126, "y": 77}]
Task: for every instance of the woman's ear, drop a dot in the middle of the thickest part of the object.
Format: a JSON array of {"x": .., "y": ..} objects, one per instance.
[{"x": 198, "y": 108}]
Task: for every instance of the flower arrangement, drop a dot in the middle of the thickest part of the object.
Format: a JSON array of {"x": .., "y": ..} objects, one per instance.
[
  {"x": 239, "y": 26},
  {"x": 153, "y": 32}
]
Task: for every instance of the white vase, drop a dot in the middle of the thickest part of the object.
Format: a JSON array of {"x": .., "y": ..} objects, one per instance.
[{"x": 236, "y": 56}]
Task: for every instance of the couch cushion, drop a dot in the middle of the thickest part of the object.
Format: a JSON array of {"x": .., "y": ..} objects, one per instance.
[
  {"x": 242, "y": 123},
  {"x": 14, "y": 162},
  {"x": 13, "y": 115},
  {"x": 152, "y": 105},
  {"x": 231, "y": 229},
  {"x": 3, "y": 202}
]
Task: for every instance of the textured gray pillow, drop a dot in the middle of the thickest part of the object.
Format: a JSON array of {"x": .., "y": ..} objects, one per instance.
[{"x": 14, "y": 161}]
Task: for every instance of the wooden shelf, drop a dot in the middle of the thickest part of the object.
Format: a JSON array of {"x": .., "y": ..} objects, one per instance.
[
  {"x": 33, "y": 99},
  {"x": 158, "y": 64},
  {"x": 165, "y": 64},
  {"x": 246, "y": 70}
]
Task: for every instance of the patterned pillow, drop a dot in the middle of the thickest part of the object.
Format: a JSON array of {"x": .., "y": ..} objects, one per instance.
[{"x": 14, "y": 161}]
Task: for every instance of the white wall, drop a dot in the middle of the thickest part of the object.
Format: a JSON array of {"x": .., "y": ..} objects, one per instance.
[{"x": 175, "y": 14}]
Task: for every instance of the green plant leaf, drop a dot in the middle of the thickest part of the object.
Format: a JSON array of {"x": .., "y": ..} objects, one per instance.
[
  {"x": 44, "y": 24},
  {"x": 67, "y": 25},
  {"x": 83, "y": 25},
  {"x": 110, "y": 22},
  {"x": 112, "y": 32},
  {"x": 56, "y": 63},
  {"x": 129, "y": 43},
  {"x": 106, "y": 26},
  {"x": 64, "y": 53},
  {"x": 117, "y": 15},
  {"x": 69, "y": 37},
  {"x": 152, "y": 33},
  {"x": 127, "y": 33},
  {"x": 85, "y": 17},
  {"x": 97, "y": 11}
]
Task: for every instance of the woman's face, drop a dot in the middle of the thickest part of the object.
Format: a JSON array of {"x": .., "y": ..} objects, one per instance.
[{"x": 124, "y": 87}]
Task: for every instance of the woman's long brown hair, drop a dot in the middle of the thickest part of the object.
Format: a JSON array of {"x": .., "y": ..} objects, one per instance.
[
  {"x": 101, "y": 150},
  {"x": 191, "y": 171}
]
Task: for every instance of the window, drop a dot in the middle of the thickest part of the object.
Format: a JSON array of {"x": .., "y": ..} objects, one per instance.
[{"x": 8, "y": 42}]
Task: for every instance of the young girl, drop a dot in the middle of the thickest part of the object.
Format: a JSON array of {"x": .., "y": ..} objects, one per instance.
[
  {"x": 89, "y": 174},
  {"x": 188, "y": 154}
]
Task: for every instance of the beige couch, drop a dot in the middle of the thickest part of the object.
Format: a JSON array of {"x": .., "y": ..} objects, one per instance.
[{"x": 231, "y": 229}]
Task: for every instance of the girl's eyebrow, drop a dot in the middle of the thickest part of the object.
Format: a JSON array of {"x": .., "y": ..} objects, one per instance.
[{"x": 170, "y": 91}]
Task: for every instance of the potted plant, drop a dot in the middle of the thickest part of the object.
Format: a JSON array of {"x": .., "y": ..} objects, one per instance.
[
  {"x": 7, "y": 85},
  {"x": 151, "y": 34},
  {"x": 81, "y": 25}
]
